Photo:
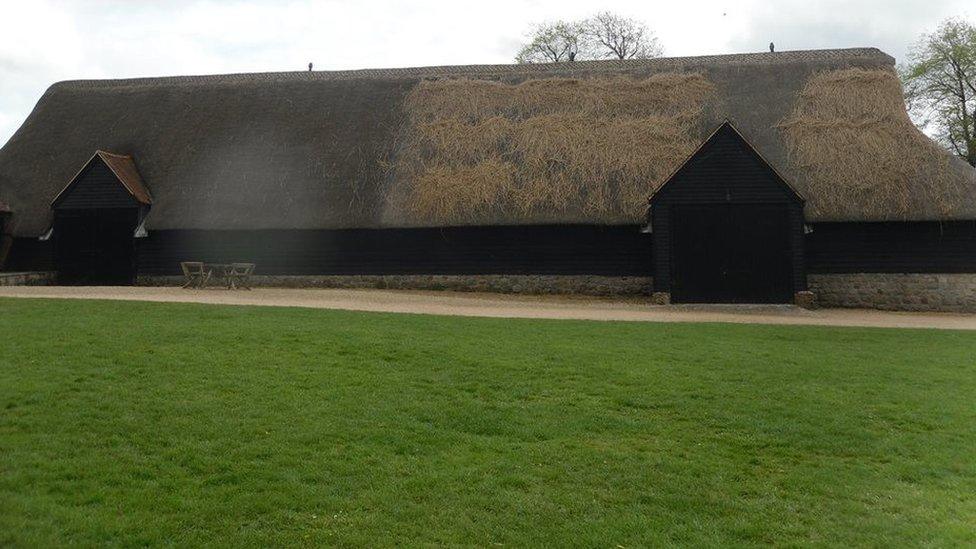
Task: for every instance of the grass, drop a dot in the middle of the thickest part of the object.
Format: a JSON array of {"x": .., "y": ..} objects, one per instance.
[{"x": 139, "y": 423}]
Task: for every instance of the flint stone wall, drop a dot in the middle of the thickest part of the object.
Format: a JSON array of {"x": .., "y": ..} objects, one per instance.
[
  {"x": 896, "y": 291},
  {"x": 514, "y": 284}
]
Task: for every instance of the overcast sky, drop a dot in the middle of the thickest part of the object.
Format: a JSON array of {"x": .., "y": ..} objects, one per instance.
[{"x": 43, "y": 41}]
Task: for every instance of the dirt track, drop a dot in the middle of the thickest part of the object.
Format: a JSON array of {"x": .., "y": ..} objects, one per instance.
[{"x": 507, "y": 306}]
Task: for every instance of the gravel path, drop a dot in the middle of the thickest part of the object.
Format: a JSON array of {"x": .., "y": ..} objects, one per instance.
[{"x": 506, "y": 306}]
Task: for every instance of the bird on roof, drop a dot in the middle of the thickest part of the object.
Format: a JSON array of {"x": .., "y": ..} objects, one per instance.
[
  {"x": 772, "y": 48},
  {"x": 310, "y": 67}
]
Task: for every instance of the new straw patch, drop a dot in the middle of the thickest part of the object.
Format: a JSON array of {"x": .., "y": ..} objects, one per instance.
[
  {"x": 482, "y": 151},
  {"x": 859, "y": 153}
]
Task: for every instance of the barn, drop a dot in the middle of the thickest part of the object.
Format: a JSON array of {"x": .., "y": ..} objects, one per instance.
[{"x": 746, "y": 178}]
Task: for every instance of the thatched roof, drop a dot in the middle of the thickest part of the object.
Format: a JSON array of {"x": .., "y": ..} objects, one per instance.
[{"x": 320, "y": 149}]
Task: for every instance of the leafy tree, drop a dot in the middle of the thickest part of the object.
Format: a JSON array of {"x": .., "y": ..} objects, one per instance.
[{"x": 940, "y": 85}]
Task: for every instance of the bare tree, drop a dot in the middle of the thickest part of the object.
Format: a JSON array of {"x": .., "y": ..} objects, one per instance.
[
  {"x": 614, "y": 36},
  {"x": 940, "y": 84},
  {"x": 552, "y": 43}
]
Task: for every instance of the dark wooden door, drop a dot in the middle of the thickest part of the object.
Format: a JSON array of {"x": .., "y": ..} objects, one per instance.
[
  {"x": 96, "y": 247},
  {"x": 730, "y": 253}
]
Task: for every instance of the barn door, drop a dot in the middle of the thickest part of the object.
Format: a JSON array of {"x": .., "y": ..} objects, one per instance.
[
  {"x": 731, "y": 253},
  {"x": 96, "y": 247}
]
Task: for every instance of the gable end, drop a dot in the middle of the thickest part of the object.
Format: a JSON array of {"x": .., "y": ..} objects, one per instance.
[
  {"x": 106, "y": 181},
  {"x": 726, "y": 168}
]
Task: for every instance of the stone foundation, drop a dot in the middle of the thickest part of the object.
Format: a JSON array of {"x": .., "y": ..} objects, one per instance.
[
  {"x": 661, "y": 298},
  {"x": 805, "y": 299},
  {"x": 896, "y": 292},
  {"x": 512, "y": 284},
  {"x": 36, "y": 278}
]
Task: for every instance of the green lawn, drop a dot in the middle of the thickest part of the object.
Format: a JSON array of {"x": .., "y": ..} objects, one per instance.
[{"x": 139, "y": 423}]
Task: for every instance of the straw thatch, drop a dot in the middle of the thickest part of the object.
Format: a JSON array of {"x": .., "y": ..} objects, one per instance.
[
  {"x": 852, "y": 142},
  {"x": 473, "y": 149},
  {"x": 564, "y": 143}
]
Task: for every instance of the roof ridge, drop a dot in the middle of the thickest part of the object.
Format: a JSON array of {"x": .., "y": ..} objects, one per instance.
[{"x": 760, "y": 58}]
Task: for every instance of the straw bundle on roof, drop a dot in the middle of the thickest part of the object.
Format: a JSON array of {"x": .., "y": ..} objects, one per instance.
[
  {"x": 852, "y": 141},
  {"x": 474, "y": 148}
]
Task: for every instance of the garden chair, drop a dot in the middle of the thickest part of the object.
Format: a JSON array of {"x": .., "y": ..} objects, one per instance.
[
  {"x": 195, "y": 273},
  {"x": 239, "y": 275}
]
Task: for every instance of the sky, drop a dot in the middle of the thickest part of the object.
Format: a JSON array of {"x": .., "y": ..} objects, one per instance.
[{"x": 44, "y": 41}]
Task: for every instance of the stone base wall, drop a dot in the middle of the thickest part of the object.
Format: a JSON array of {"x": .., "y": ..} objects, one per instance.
[
  {"x": 661, "y": 298},
  {"x": 896, "y": 292},
  {"x": 40, "y": 278},
  {"x": 805, "y": 299},
  {"x": 512, "y": 284}
]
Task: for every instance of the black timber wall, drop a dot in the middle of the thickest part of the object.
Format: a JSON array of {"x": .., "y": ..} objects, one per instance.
[
  {"x": 96, "y": 187},
  {"x": 573, "y": 249},
  {"x": 918, "y": 247},
  {"x": 6, "y": 240},
  {"x": 725, "y": 170},
  {"x": 30, "y": 254}
]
